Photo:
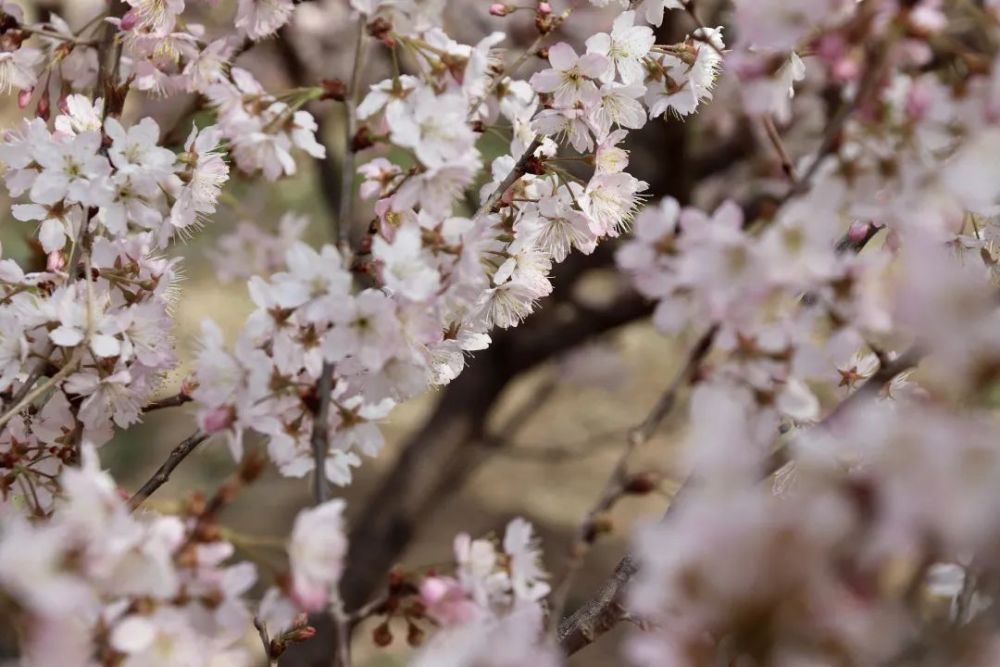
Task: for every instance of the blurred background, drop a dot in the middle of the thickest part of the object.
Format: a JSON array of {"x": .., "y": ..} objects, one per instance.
[{"x": 533, "y": 426}]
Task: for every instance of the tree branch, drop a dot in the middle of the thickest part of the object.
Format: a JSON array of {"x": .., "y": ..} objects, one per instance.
[
  {"x": 343, "y": 228},
  {"x": 265, "y": 640},
  {"x": 160, "y": 477},
  {"x": 321, "y": 435},
  {"x": 109, "y": 52},
  {"x": 605, "y": 610},
  {"x": 455, "y": 434},
  {"x": 178, "y": 399},
  {"x": 617, "y": 483}
]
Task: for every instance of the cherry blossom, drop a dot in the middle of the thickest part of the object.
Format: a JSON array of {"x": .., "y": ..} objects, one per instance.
[
  {"x": 834, "y": 228},
  {"x": 571, "y": 78},
  {"x": 316, "y": 552},
  {"x": 625, "y": 47}
]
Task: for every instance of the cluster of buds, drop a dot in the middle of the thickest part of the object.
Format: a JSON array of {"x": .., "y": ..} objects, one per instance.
[{"x": 402, "y": 602}]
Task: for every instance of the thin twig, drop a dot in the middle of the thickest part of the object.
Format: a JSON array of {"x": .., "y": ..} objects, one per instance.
[
  {"x": 48, "y": 34},
  {"x": 35, "y": 375},
  {"x": 342, "y": 627},
  {"x": 109, "y": 51},
  {"x": 342, "y": 234},
  {"x": 519, "y": 167},
  {"x": 45, "y": 386},
  {"x": 371, "y": 608},
  {"x": 178, "y": 399},
  {"x": 342, "y": 227},
  {"x": 321, "y": 435},
  {"x": 779, "y": 148},
  {"x": 160, "y": 477},
  {"x": 587, "y": 532},
  {"x": 515, "y": 173},
  {"x": 265, "y": 640},
  {"x": 43, "y": 362},
  {"x": 617, "y": 484},
  {"x": 605, "y": 610}
]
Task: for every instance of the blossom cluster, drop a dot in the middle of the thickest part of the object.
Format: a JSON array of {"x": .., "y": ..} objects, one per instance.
[
  {"x": 870, "y": 249},
  {"x": 88, "y": 340},
  {"x": 100, "y": 586},
  {"x": 439, "y": 280},
  {"x": 882, "y": 241}
]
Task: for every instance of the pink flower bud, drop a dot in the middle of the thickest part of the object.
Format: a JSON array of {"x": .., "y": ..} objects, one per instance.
[
  {"x": 846, "y": 69},
  {"x": 858, "y": 232},
  {"x": 433, "y": 590},
  {"x": 129, "y": 20},
  {"x": 498, "y": 9},
  {"x": 446, "y": 601},
  {"x": 919, "y": 100},
  {"x": 216, "y": 419},
  {"x": 24, "y": 97},
  {"x": 55, "y": 262},
  {"x": 544, "y": 8},
  {"x": 44, "y": 106}
]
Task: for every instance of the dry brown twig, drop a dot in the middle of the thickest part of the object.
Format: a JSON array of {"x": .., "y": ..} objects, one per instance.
[
  {"x": 162, "y": 474},
  {"x": 176, "y": 400}
]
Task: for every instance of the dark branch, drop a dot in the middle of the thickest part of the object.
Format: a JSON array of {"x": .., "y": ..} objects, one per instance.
[
  {"x": 179, "y": 453},
  {"x": 174, "y": 401}
]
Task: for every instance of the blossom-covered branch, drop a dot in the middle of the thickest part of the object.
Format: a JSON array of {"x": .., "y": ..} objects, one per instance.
[{"x": 873, "y": 127}]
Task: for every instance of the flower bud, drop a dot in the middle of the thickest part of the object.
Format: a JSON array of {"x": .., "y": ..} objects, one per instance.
[
  {"x": 276, "y": 648},
  {"x": 217, "y": 419},
  {"x": 362, "y": 140},
  {"x": 44, "y": 106},
  {"x": 129, "y": 20},
  {"x": 414, "y": 635},
  {"x": 188, "y": 385},
  {"x": 498, "y": 9},
  {"x": 301, "y": 634},
  {"x": 382, "y": 635},
  {"x": 381, "y": 29},
  {"x": 334, "y": 89},
  {"x": 24, "y": 98},
  {"x": 858, "y": 232},
  {"x": 544, "y": 8},
  {"x": 55, "y": 262}
]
